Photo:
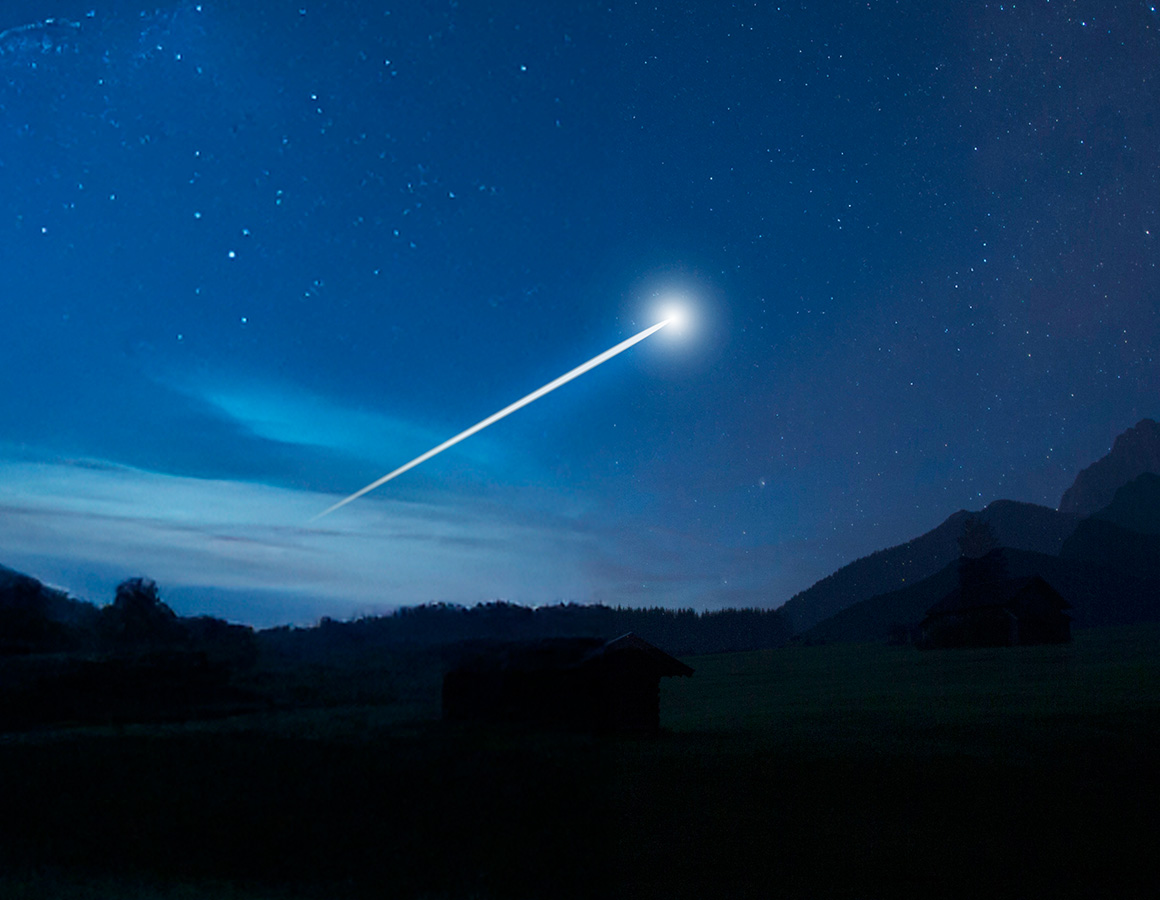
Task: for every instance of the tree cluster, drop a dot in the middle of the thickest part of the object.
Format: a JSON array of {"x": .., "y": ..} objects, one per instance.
[{"x": 38, "y": 620}]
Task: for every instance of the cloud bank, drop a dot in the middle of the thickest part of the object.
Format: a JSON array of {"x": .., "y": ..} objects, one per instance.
[{"x": 240, "y": 536}]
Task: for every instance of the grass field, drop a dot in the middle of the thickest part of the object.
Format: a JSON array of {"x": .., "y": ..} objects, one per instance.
[
  {"x": 837, "y": 771},
  {"x": 1020, "y": 703}
]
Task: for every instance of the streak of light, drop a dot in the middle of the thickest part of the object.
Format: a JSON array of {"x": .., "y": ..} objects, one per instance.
[{"x": 495, "y": 417}]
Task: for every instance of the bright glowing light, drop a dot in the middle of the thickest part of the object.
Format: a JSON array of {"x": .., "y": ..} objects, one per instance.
[
  {"x": 495, "y": 417},
  {"x": 676, "y": 313}
]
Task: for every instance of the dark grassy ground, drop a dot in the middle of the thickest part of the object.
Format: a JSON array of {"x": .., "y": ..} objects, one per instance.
[{"x": 806, "y": 772}]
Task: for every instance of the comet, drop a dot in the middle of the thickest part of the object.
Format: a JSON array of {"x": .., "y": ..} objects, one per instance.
[{"x": 506, "y": 411}]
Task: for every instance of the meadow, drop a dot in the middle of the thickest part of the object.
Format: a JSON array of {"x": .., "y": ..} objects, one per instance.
[{"x": 831, "y": 771}]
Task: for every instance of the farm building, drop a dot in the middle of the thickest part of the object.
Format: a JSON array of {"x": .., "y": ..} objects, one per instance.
[
  {"x": 1005, "y": 613},
  {"x": 580, "y": 683}
]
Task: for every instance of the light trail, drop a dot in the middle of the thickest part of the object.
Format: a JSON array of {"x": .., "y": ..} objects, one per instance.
[{"x": 495, "y": 417}]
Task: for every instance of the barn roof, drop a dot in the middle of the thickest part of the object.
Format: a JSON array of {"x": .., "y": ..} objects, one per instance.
[
  {"x": 1009, "y": 592},
  {"x": 634, "y": 643},
  {"x": 563, "y": 653}
]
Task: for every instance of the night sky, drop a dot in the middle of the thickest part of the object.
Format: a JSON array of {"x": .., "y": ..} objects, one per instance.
[{"x": 257, "y": 254}]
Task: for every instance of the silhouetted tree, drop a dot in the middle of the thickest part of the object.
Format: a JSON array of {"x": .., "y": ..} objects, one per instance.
[
  {"x": 982, "y": 561},
  {"x": 977, "y": 539},
  {"x": 138, "y": 619}
]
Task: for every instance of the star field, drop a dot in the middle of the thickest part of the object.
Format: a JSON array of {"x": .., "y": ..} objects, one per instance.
[{"x": 272, "y": 251}]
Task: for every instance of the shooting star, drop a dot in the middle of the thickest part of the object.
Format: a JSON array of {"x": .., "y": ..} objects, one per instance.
[{"x": 495, "y": 417}]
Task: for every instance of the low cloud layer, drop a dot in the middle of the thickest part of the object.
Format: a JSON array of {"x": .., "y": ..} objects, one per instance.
[
  {"x": 485, "y": 522},
  {"x": 83, "y": 525},
  {"x": 250, "y": 537}
]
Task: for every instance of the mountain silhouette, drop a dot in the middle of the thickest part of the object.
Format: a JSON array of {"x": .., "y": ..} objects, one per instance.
[
  {"x": 1134, "y": 452},
  {"x": 1136, "y": 505},
  {"x": 1098, "y": 595},
  {"x": 1022, "y": 526},
  {"x": 1108, "y": 569},
  {"x": 1025, "y": 526},
  {"x": 1126, "y": 535}
]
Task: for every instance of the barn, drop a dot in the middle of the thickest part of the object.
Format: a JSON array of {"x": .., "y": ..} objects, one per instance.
[
  {"x": 1005, "y": 613},
  {"x": 579, "y": 683}
]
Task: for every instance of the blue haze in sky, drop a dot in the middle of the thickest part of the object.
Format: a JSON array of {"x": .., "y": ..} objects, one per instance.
[{"x": 257, "y": 254}]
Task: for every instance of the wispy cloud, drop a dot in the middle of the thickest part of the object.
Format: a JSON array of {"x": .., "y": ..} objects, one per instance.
[
  {"x": 240, "y": 536},
  {"x": 85, "y": 524},
  {"x": 288, "y": 414}
]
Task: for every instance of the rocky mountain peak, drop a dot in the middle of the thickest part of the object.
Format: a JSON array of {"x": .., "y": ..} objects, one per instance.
[{"x": 1134, "y": 452}]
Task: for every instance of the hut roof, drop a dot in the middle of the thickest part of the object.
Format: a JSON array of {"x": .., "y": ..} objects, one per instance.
[
  {"x": 633, "y": 643},
  {"x": 564, "y": 653}
]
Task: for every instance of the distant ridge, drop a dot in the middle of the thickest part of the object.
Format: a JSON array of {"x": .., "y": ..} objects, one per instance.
[
  {"x": 1025, "y": 526},
  {"x": 1134, "y": 452},
  {"x": 1108, "y": 569},
  {"x": 1136, "y": 505},
  {"x": 1125, "y": 536},
  {"x": 1099, "y": 596}
]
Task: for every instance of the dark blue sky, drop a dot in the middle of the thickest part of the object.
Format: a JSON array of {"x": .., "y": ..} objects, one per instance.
[{"x": 257, "y": 254}]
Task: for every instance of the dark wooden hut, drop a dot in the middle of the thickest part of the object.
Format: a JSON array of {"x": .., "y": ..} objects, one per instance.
[
  {"x": 581, "y": 683},
  {"x": 1006, "y": 613}
]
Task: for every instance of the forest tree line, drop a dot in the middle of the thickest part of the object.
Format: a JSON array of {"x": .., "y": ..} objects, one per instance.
[
  {"x": 35, "y": 619},
  {"x": 677, "y": 631}
]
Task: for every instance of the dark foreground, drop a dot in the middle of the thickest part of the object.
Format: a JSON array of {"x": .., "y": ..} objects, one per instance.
[{"x": 805, "y": 772}]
